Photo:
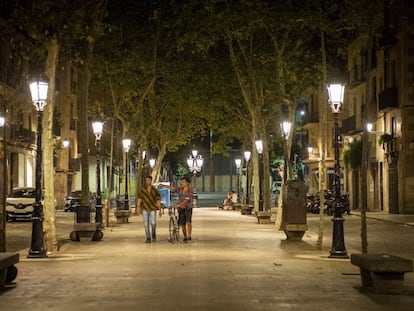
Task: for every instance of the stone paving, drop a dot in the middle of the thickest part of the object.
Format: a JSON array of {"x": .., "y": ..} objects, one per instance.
[{"x": 233, "y": 263}]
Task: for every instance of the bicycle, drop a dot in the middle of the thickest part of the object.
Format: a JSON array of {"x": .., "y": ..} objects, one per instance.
[{"x": 174, "y": 228}]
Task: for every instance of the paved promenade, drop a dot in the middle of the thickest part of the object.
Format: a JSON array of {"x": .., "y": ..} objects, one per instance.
[{"x": 233, "y": 263}]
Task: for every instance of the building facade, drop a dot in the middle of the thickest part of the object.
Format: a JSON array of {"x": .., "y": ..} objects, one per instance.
[{"x": 379, "y": 91}]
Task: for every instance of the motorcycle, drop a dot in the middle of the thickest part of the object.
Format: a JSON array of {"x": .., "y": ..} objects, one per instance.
[
  {"x": 343, "y": 201},
  {"x": 313, "y": 203}
]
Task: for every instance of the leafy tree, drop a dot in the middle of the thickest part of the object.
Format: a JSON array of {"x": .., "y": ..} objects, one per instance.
[
  {"x": 272, "y": 77},
  {"x": 33, "y": 22},
  {"x": 45, "y": 28},
  {"x": 149, "y": 97}
]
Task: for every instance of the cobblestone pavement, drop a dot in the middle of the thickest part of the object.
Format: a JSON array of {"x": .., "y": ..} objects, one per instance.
[{"x": 233, "y": 263}]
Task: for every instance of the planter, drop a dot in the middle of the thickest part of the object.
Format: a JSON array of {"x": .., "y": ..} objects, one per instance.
[
  {"x": 384, "y": 139},
  {"x": 263, "y": 217},
  {"x": 295, "y": 232},
  {"x": 122, "y": 216},
  {"x": 246, "y": 209}
]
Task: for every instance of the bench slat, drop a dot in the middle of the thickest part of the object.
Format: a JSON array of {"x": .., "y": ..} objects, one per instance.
[
  {"x": 382, "y": 263},
  {"x": 8, "y": 259}
]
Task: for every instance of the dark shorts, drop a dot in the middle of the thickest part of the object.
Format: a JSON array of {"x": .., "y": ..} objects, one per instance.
[{"x": 184, "y": 216}]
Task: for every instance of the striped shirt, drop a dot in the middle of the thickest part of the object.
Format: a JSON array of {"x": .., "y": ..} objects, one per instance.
[{"x": 149, "y": 199}]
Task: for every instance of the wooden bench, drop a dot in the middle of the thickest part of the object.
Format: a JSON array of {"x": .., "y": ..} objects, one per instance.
[
  {"x": 8, "y": 270},
  {"x": 246, "y": 209},
  {"x": 383, "y": 273}
]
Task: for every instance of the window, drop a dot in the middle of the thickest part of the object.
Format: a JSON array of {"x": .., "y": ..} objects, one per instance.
[{"x": 393, "y": 73}]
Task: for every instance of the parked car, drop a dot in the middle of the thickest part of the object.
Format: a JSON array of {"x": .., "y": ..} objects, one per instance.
[
  {"x": 74, "y": 199},
  {"x": 19, "y": 203},
  {"x": 276, "y": 186}
]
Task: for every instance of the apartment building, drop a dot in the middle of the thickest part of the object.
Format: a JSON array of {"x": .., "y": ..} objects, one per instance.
[
  {"x": 19, "y": 132},
  {"x": 380, "y": 91}
]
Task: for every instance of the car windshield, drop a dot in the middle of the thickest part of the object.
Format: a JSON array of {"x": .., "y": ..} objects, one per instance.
[
  {"x": 75, "y": 194},
  {"x": 23, "y": 193}
]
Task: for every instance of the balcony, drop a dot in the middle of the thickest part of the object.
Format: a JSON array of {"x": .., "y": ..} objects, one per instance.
[
  {"x": 348, "y": 126},
  {"x": 74, "y": 165},
  {"x": 311, "y": 117},
  {"x": 355, "y": 76},
  {"x": 388, "y": 99},
  {"x": 388, "y": 39},
  {"x": 72, "y": 124},
  {"x": 22, "y": 135}
]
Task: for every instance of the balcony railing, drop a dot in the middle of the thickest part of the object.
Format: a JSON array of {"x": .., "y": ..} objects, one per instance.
[
  {"x": 348, "y": 126},
  {"x": 21, "y": 134},
  {"x": 74, "y": 165},
  {"x": 388, "y": 99},
  {"x": 388, "y": 39},
  {"x": 72, "y": 124},
  {"x": 312, "y": 117}
]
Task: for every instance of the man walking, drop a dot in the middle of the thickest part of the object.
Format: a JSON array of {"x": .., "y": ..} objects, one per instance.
[
  {"x": 184, "y": 206},
  {"x": 150, "y": 199}
]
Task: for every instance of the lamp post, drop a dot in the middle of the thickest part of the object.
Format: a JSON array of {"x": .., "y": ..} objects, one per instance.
[
  {"x": 259, "y": 147},
  {"x": 97, "y": 127},
  {"x": 38, "y": 90},
  {"x": 63, "y": 160},
  {"x": 65, "y": 143},
  {"x": 338, "y": 250},
  {"x": 285, "y": 127},
  {"x": 247, "y": 155},
  {"x": 126, "y": 143},
  {"x": 3, "y": 203},
  {"x": 370, "y": 129},
  {"x": 238, "y": 170},
  {"x": 195, "y": 163}
]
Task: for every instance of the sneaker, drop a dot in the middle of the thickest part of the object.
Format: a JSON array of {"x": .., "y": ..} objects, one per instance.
[
  {"x": 148, "y": 240},
  {"x": 189, "y": 239},
  {"x": 185, "y": 240},
  {"x": 154, "y": 239}
]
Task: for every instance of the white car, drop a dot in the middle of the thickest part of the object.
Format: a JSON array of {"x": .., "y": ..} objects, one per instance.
[{"x": 19, "y": 203}]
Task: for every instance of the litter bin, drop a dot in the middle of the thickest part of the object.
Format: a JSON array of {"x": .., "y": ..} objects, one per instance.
[
  {"x": 195, "y": 199},
  {"x": 83, "y": 214},
  {"x": 294, "y": 209},
  {"x": 165, "y": 196}
]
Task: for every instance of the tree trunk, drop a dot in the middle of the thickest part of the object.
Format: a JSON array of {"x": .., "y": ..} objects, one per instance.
[
  {"x": 323, "y": 130},
  {"x": 111, "y": 158},
  {"x": 365, "y": 151},
  {"x": 83, "y": 129},
  {"x": 49, "y": 227},
  {"x": 158, "y": 163},
  {"x": 211, "y": 165}
]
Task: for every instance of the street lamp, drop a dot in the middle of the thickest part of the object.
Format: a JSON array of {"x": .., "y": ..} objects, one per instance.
[
  {"x": 247, "y": 155},
  {"x": 38, "y": 91},
  {"x": 238, "y": 170},
  {"x": 338, "y": 250},
  {"x": 65, "y": 143},
  {"x": 285, "y": 127},
  {"x": 97, "y": 127},
  {"x": 3, "y": 206},
  {"x": 259, "y": 147},
  {"x": 126, "y": 143},
  {"x": 195, "y": 163},
  {"x": 370, "y": 128}
]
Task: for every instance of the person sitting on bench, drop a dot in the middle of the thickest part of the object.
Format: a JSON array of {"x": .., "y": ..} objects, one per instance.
[{"x": 228, "y": 202}]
